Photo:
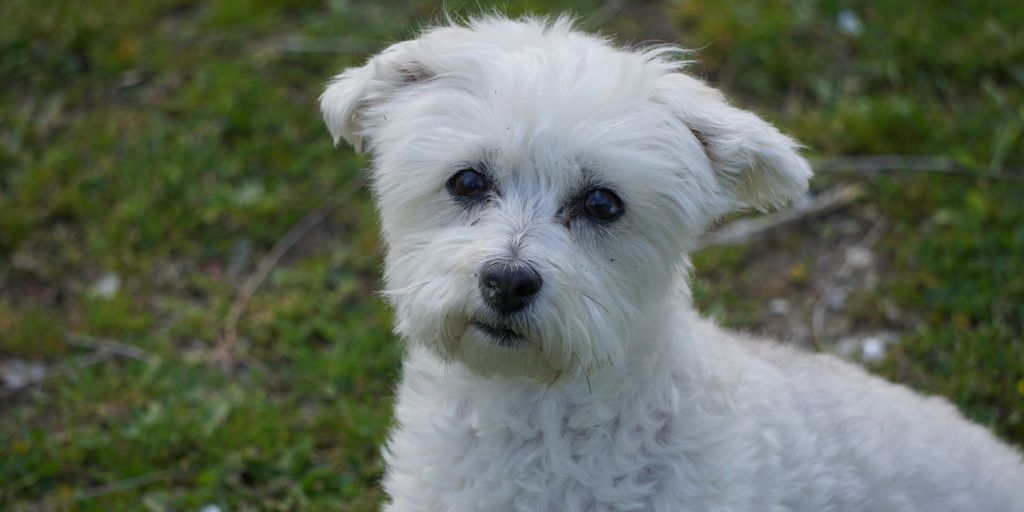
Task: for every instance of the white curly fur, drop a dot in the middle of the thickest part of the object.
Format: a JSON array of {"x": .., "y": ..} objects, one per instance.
[{"x": 622, "y": 398}]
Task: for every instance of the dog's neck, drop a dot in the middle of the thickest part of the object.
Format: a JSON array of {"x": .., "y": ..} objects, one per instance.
[{"x": 662, "y": 335}]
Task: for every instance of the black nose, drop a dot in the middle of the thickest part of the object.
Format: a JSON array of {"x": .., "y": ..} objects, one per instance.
[{"x": 508, "y": 287}]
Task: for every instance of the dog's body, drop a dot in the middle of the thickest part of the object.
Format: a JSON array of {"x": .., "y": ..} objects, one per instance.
[
  {"x": 709, "y": 423},
  {"x": 538, "y": 189}
]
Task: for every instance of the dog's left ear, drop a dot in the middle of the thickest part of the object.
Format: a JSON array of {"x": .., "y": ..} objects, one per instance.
[
  {"x": 349, "y": 93},
  {"x": 758, "y": 166}
]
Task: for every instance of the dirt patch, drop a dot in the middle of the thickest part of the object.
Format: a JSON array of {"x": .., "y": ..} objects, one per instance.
[{"x": 813, "y": 283}]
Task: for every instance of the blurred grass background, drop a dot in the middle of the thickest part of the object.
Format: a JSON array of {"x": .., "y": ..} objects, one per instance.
[{"x": 152, "y": 153}]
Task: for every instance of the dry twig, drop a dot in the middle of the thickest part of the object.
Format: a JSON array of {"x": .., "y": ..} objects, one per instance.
[
  {"x": 123, "y": 485},
  {"x": 229, "y": 338},
  {"x": 879, "y": 163},
  {"x": 107, "y": 345},
  {"x": 870, "y": 164},
  {"x": 64, "y": 368},
  {"x": 323, "y": 45},
  {"x": 743, "y": 230},
  {"x": 252, "y": 283},
  {"x": 102, "y": 490},
  {"x": 102, "y": 350},
  {"x": 604, "y": 14}
]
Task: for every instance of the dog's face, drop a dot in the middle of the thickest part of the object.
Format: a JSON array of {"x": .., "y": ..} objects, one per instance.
[{"x": 539, "y": 189}]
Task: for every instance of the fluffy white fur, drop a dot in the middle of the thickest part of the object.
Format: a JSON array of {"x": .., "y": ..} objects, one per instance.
[{"x": 622, "y": 398}]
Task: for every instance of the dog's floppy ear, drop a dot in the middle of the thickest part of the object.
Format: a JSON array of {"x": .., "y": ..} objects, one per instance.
[
  {"x": 755, "y": 163},
  {"x": 348, "y": 93}
]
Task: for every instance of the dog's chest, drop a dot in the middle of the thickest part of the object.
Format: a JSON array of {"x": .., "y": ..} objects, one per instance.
[
  {"x": 532, "y": 455},
  {"x": 459, "y": 446}
]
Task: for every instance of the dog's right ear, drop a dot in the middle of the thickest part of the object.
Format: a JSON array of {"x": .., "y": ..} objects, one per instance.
[
  {"x": 350, "y": 92},
  {"x": 754, "y": 163}
]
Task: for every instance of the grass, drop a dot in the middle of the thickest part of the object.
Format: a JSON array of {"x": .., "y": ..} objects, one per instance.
[{"x": 172, "y": 143}]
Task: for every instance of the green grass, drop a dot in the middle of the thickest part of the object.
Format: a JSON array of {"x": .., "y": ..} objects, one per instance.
[{"x": 172, "y": 143}]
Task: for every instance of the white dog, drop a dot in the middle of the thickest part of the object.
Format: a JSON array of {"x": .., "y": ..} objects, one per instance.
[{"x": 538, "y": 192}]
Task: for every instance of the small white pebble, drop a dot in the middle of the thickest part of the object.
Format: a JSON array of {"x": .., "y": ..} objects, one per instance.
[
  {"x": 859, "y": 257},
  {"x": 779, "y": 306},
  {"x": 107, "y": 286},
  {"x": 849, "y": 23},
  {"x": 17, "y": 373},
  {"x": 872, "y": 349}
]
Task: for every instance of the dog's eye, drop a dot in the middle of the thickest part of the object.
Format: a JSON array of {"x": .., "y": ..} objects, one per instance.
[
  {"x": 602, "y": 204},
  {"x": 467, "y": 183}
]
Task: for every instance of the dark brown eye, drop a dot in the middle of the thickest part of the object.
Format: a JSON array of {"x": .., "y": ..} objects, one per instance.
[
  {"x": 602, "y": 204},
  {"x": 467, "y": 183}
]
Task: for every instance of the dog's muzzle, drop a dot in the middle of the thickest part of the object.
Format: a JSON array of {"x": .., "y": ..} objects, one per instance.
[{"x": 508, "y": 287}]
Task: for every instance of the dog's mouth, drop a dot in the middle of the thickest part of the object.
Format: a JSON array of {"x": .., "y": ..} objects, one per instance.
[{"x": 502, "y": 335}]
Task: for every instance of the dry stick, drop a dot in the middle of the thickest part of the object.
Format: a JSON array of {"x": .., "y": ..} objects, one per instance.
[
  {"x": 252, "y": 283},
  {"x": 103, "y": 349},
  {"x": 604, "y": 14},
  {"x": 742, "y": 230},
  {"x": 107, "y": 345},
  {"x": 102, "y": 490},
  {"x": 229, "y": 339},
  {"x": 868, "y": 164},
  {"x": 876, "y": 163},
  {"x": 323, "y": 45},
  {"x": 64, "y": 368},
  {"x": 123, "y": 485}
]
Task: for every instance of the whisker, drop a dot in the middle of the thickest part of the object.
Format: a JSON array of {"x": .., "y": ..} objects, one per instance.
[
  {"x": 411, "y": 256},
  {"x": 405, "y": 289},
  {"x": 595, "y": 301},
  {"x": 584, "y": 370},
  {"x": 550, "y": 384}
]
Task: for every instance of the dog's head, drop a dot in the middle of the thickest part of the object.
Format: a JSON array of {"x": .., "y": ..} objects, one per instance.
[{"x": 539, "y": 189}]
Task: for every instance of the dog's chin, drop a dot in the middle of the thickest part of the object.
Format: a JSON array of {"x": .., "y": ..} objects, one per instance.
[
  {"x": 500, "y": 334},
  {"x": 490, "y": 347}
]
